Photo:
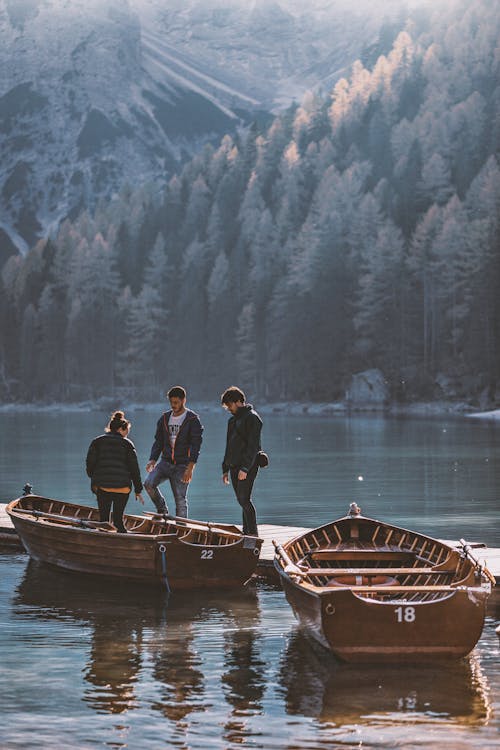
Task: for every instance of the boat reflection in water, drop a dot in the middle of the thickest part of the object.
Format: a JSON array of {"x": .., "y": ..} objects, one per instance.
[
  {"x": 315, "y": 684},
  {"x": 151, "y": 651}
]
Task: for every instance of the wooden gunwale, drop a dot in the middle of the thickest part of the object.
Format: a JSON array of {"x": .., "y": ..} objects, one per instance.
[
  {"x": 218, "y": 537},
  {"x": 93, "y": 514},
  {"x": 97, "y": 534}
]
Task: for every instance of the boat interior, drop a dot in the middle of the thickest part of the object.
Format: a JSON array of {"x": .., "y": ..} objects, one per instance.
[
  {"x": 379, "y": 561},
  {"x": 190, "y": 531}
]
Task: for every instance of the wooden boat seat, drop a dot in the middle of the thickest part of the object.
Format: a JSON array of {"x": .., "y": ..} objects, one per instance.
[
  {"x": 376, "y": 571},
  {"x": 334, "y": 553},
  {"x": 403, "y": 589}
]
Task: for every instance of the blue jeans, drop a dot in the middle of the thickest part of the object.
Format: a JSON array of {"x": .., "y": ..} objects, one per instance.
[{"x": 174, "y": 472}]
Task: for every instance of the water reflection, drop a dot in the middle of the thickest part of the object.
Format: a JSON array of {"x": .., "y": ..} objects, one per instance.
[
  {"x": 244, "y": 672},
  {"x": 177, "y": 665},
  {"x": 316, "y": 685},
  {"x": 139, "y": 637},
  {"x": 114, "y": 663},
  {"x": 132, "y": 669},
  {"x": 116, "y": 616}
]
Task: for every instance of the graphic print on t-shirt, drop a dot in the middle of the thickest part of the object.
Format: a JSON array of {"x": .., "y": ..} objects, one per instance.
[{"x": 174, "y": 425}]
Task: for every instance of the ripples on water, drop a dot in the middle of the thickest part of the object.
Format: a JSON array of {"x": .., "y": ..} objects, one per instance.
[{"x": 86, "y": 666}]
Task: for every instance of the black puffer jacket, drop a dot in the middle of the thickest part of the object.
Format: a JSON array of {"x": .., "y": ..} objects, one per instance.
[
  {"x": 112, "y": 462},
  {"x": 243, "y": 439}
]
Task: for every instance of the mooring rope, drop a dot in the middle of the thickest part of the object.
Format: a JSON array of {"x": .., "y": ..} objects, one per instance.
[{"x": 163, "y": 552}]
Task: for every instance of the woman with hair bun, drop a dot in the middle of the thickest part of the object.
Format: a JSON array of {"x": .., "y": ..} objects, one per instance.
[{"x": 113, "y": 467}]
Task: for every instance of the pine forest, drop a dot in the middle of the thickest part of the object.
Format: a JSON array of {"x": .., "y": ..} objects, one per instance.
[{"x": 358, "y": 229}]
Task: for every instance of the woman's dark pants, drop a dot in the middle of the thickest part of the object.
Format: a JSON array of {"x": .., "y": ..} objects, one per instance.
[
  {"x": 116, "y": 500},
  {"x": 243, "y": 491}
]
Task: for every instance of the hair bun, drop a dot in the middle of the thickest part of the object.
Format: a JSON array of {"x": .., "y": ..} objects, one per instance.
[{"x": 117, "y": 422}]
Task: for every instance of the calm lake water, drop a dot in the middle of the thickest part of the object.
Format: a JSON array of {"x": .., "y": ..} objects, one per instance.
[{"x": 90, "y": 665}]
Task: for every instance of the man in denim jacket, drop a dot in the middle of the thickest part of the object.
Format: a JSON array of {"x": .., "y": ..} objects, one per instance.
[{"x": 177, "y": 444}]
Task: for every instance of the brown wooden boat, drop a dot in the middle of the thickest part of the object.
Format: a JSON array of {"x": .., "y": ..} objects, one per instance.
[
  {"x": 370, "y": 591},
  {"x": 180, "y": 553}
]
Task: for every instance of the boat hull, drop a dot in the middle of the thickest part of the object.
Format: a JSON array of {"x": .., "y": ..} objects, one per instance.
[{"x": 365, "y": 630}]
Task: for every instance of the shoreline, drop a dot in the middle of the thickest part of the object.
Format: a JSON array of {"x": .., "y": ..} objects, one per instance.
[{"x": 286, "y": 408}]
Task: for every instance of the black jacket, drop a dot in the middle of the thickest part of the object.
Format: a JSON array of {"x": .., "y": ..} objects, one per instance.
[
  {"x": 188, "y": 441},
  {"x": 112, "y": 462},
  {"x": 243, "y": 439}
]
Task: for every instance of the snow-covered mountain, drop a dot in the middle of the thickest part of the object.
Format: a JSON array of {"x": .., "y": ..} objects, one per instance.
[{"x": 98, "y": 93}]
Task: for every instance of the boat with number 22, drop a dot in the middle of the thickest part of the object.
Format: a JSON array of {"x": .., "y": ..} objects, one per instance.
[
  {"x": 179, "y": 553},
  {"x": 370, "y": 591}
]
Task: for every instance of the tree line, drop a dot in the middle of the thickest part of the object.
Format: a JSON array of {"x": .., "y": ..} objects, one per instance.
[{"x": 360, "y": 229}]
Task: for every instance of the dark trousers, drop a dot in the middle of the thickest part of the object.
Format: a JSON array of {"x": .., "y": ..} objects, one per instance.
[
  {"x": 243, "y": 492},
  {"x": 115, "y": 500}
]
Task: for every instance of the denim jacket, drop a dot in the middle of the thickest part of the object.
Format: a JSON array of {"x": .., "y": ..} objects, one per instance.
[{"x": 187, "y": 444}]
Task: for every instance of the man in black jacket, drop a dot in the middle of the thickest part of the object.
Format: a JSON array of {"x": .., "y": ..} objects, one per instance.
[
  {"x": 242, "y": 453},
  {"x": 178, "y": 440}
]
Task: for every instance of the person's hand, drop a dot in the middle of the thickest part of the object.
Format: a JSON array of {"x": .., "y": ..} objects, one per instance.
[
  {"x": 242, "y": 475},
  {"x": 188, "y": 475},
  {"x": 150, "y": 466},
  {"x": 225, "y": 478},
  {"x": 139, "y": 498}
]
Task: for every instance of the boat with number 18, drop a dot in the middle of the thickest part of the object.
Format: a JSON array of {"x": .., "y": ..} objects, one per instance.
[{"x": 371, "y": 591}]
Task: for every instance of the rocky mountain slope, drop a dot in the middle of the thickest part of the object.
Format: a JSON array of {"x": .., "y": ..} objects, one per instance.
[{"x": 95, "y": 95}]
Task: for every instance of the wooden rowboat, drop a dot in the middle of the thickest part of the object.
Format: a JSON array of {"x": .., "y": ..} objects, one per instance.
[
  {"x": 370, "y": 591},
  {"x": 180, "y": 553}
]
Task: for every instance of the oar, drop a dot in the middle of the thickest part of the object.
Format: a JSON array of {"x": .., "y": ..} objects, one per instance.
[
  {"x": 290, "y": 567},
  {"x": 482, "y": 568},
  {"x": 197, "y": 525},
  {"x": 84, "y": 523}
]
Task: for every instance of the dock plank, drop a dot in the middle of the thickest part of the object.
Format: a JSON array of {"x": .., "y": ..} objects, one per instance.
[{"x": 281, "y": 533}]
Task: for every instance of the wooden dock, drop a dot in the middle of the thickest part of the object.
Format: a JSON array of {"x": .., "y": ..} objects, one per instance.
[{"x": 268, "y": 532}]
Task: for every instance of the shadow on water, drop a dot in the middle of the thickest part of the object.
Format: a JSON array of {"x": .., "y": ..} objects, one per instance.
[
  {"x": 315, "y": 684},
  {"x": 141, "y": 636}
]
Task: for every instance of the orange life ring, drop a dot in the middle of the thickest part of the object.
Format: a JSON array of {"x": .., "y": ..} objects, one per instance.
[{"x": 351, "y": 579}]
